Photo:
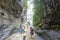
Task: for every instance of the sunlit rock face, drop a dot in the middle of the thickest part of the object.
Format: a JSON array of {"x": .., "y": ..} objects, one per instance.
[{"x": 10, "y": 12}]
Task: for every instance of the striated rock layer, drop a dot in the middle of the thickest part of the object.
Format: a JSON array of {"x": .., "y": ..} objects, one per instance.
[{"x": 10, "y": 12}]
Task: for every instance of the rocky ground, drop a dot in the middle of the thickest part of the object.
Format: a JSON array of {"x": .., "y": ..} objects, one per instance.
[{"x": 19, "y": 36}]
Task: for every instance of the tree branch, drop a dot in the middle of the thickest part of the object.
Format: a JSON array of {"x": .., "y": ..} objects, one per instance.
[{"x": 48, "y": 4}]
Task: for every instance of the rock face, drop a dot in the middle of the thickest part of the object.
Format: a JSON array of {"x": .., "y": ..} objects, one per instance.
[
  {"x": 47, "y": 35},
  {"x": 10, "y": 12},
  {"x": 11, "y": 6}
]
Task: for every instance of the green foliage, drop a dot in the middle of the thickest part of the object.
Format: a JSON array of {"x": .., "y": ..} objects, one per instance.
[
  {"x": 51, "y": 18},
  {"x": 25, "y": 4},
  {"x": 37, "y": 12}
]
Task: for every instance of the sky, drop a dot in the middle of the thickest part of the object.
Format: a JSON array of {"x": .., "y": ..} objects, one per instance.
[{"x": 30, "y": 11}]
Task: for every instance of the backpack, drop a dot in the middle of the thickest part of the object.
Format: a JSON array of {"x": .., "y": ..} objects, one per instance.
[{"x": 21, "y": 30}]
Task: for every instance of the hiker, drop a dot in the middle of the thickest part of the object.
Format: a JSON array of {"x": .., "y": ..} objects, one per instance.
[
  {"x": 24, "y": 36},
  {"x": 21, "y": 30},
  {"x": 31, "y": 31}
]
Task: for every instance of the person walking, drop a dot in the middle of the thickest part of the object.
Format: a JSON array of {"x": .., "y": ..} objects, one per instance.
[
  {"x": 24, "y": 34},
  {"x": 22, "y": 31},
  {"x": 31, "y": 32}
]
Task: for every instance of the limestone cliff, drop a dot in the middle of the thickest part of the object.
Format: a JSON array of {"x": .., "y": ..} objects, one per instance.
[{"x": 10, "y": 12}]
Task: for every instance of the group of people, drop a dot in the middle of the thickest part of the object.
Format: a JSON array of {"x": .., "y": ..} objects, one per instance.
[{"x": 24, "y": 33}]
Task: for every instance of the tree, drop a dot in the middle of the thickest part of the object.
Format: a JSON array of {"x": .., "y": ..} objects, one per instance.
[
  {"x": 37, "y": 12},
  {"x": 52, "y": 14}
]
